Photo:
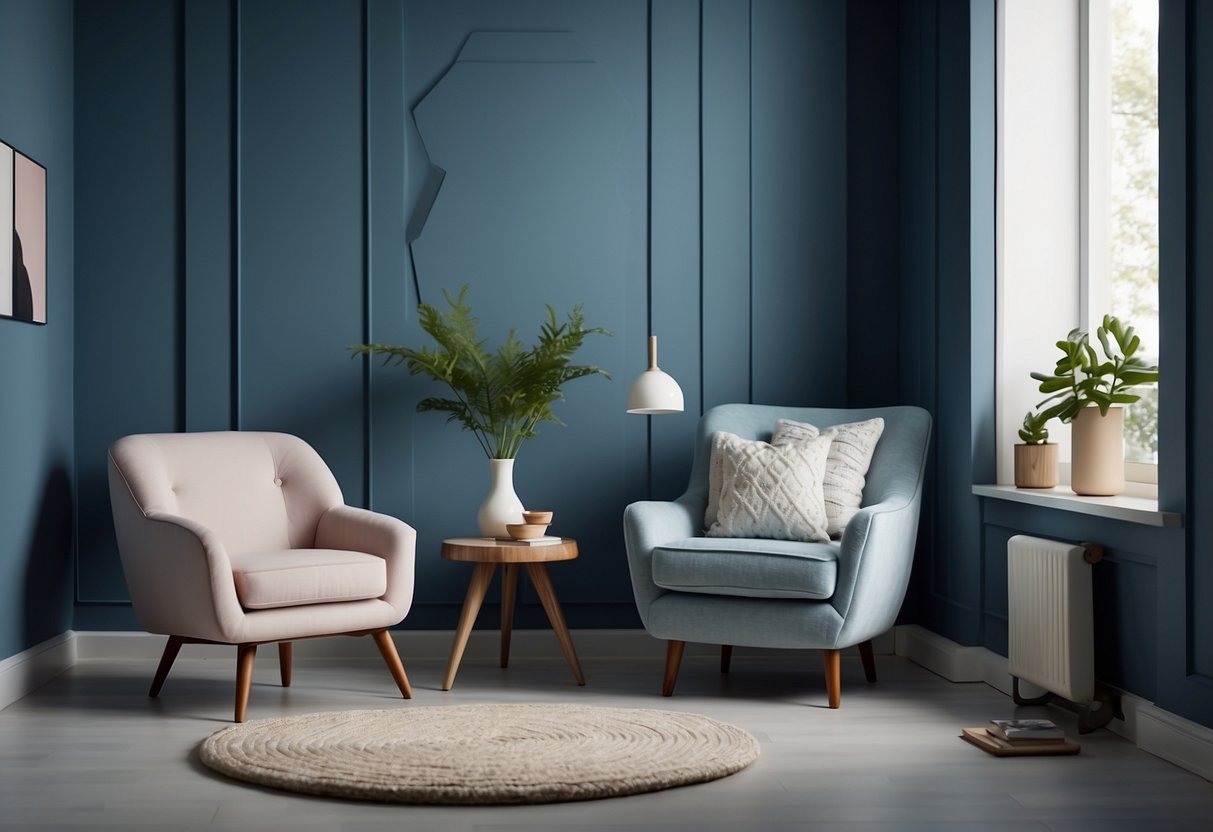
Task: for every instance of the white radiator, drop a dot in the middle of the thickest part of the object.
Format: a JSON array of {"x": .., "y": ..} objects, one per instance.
[{"x": 1051, "y": 632}]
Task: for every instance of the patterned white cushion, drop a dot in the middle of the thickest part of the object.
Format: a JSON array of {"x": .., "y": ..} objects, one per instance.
[
  {"x": 846, "y": 466},
  {"x": 771, "y": 491}
]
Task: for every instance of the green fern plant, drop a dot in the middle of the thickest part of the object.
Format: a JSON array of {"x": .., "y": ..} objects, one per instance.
[
  {"x": 1080, "y": 378},
  {"x": 501, "y": 396}
]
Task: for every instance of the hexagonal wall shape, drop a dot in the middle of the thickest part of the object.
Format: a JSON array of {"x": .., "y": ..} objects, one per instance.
[{"x": 526, "y": 188}]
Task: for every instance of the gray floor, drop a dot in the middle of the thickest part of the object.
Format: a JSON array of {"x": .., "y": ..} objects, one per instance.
[{"x": 90, "y": 750}]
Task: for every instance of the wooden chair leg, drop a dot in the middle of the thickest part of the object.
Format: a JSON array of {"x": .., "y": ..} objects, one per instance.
[
  {"x": 171, "y": 649},
  {"x": 387, "y": 649},
  {"x": 284, "y": 662},
  {"x": 869, "y": 660},
  {"x": 726, "y": 657},
  {"x": 833, "y": 664},
  {"x": 246, "y": 656},
  {"x": 673, "y": 658}
]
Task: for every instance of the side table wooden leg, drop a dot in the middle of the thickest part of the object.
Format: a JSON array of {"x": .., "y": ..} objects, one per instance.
[
  {"x": 509, "y": 592},
  {"x": 471, "y": 605},
  {"x": 547, "y": 594}
]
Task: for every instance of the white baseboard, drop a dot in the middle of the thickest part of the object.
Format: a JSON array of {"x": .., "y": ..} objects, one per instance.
[
  {"x": 435, "y": 644},
  {"x": 1175, "y": 739},
  {"x": 412, "y": 644},
  {"x": 1161, "y": 733},
  {"x": 31, "y": 669}
]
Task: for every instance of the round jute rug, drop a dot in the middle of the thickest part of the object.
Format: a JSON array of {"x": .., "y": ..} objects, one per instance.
[{"x": 481, "y": 754}]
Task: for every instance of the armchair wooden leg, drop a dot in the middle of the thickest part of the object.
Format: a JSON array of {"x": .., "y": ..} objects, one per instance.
[
  {"x": 726, "y": 657},
  {"x": 284, "y": 662},
  {"x": 246, "y": 656},
  {"x": 833, "y": 663},
  {"x": 869, "y": 660},
  {"x": 387, "y": 649},
  {"x": 171, "y": 649},
  {"x": 673, "y": 658}
]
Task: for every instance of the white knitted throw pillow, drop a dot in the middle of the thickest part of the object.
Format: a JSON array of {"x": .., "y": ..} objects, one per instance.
[
  {"x": 846, "y": 466},
  {"x": 769, "y": 491}
]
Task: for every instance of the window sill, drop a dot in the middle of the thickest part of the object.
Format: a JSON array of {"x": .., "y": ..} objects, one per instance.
[{"x": 1130, "y": 509}]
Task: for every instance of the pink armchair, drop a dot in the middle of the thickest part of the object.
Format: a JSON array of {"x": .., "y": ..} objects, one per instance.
[{"x": 244, "y": 538}]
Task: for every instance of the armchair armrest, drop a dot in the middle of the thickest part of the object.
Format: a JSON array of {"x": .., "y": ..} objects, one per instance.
[
  {"x": 360, "y": 530},
  {"x": 874, "y": 565},
  {"x": 647, "y": 525},
  {"x": 167, "y": 560}
]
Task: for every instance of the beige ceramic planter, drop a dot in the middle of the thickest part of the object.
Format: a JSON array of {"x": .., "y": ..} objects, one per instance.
[
  {"x": 1098, "y": 468},
  {"x": 1035, "y": 465}
]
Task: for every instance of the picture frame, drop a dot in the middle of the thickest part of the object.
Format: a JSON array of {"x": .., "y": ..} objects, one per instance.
[{"x": 23, "y": 232}]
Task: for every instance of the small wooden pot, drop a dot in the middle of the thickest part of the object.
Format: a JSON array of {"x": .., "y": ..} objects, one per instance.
[{"x": 1036, "y": 465}]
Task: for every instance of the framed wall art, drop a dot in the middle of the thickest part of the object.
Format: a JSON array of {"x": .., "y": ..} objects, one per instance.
[{"x": 22, "y": 237}]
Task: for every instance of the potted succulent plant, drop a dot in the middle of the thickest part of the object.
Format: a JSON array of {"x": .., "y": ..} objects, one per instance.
[
  {"x": 1035, "y": 457},
  {"x": 500, "y": 397},
  {"x": 1090, "y": 393}
]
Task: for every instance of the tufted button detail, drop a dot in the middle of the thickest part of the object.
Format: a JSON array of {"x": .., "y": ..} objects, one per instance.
[{"x": 278, "y": 481}]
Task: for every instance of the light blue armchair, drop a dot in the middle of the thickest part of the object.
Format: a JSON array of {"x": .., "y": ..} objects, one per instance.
[{"x": 778, "y": 593}]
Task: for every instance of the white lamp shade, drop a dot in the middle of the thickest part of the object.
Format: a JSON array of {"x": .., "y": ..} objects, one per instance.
[{"x": 655, "y": 391}]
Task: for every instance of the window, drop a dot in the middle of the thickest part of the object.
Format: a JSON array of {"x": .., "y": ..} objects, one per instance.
[
  {"x": 1077, "y": 197},
  {"x": 1122, "y": 204}
]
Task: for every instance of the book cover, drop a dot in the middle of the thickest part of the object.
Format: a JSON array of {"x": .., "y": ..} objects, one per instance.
[
  {"x": 1026, "y": 729},
  {"x": 546, "y": 540}
]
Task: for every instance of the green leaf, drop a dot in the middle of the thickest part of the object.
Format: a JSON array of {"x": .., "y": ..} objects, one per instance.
[
  {"x": 1052, "y": 384},
  {"x": 1103, "y": 340}
]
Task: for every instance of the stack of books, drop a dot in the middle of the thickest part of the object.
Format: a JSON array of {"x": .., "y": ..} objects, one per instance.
[{"x": 1020, "y": 738}]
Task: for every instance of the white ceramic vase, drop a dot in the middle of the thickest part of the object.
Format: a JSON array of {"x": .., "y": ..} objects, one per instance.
[
  {"x": 1098, "y": 469},
  {"x": 502, "y": 505}
]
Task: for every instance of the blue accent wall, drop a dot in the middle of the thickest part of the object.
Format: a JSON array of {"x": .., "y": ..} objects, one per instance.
[
  {"x": 306, "y": 173},
  {"x": 36, "y": 472},
  {"x": 796, "y": 197}
]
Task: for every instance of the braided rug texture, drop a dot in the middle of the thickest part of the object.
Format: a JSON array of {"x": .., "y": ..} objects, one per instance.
[{"x": 481, "y": 754}]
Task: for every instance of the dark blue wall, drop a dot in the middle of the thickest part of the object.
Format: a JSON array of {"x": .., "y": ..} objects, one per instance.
[
  {"x": 1153, "y": 633},
  {"x": 304, "y": 172},
  {"x": 36, "y": 451},
  {"x": 797, "y": 197}
]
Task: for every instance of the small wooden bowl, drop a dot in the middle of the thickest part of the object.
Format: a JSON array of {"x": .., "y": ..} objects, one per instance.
[
  {"x": 525, "y": 531},
  {"x": 537, "y": 518}
]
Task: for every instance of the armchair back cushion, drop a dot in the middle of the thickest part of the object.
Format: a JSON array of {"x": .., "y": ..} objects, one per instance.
[
  {"x": 896, "y": 466},
  {"x": 255, "y": 491}
]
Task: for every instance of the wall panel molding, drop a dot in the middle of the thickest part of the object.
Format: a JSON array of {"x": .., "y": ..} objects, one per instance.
[
  {"x": 675, "y": 242},
  {"x": 725, "y": 191},
  {"x": 208, "y": 145}
]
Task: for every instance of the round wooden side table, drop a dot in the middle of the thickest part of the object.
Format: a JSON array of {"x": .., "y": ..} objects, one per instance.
[{"x": 486, "y": 553}]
